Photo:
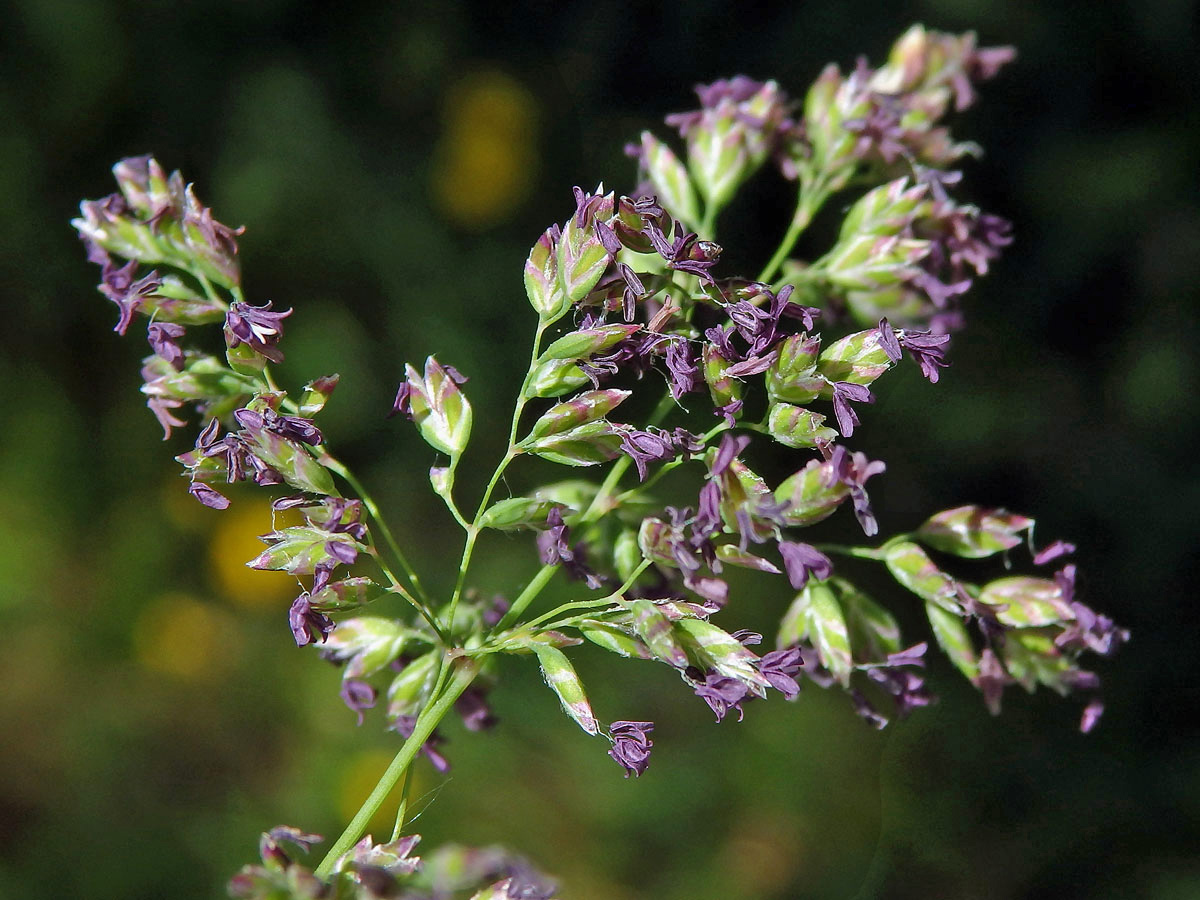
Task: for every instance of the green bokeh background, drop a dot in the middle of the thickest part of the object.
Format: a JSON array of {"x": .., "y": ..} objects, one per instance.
[{"x": 393, "y": 162}]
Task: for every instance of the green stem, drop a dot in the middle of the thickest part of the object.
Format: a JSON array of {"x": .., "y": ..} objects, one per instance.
[
  {"x": 334, "y": 465},
  {"x": 811, "y": 196},
  {"x": 600, "y": 505},
  {"x": 615, "y": 596},
  {"x": 402, "y": 809},
  {"x": 399, "y": 588},
  {"x": 535, "y": 586},
  {"x": 210, "y": 291},
  {"x": 425, "y": 724},
  {"x": 603, "y": 502},
  {"x": 509, "y": 455},
  {"x": 875, "y": 553},
  {"x": 708, "y": 226}
]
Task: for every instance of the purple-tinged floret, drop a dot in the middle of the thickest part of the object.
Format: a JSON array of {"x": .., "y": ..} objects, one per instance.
[
  {"x": 644, "y": 447},
  {"x": 164, "y": 338},
  {"x": 271, "y": 851},
  {"x": 161, "y": 407},
  {"x": 683, "y": 365},
  {"x": 555, "y": 549},
  {"x": 926, "y": 348},
  {"x": 728, "y": 450},
  {"x": 722, "y": 694},
  {"x": 1052, "y": 552},
  {"x": 844, "y": 393},
  {"x": 358, "y": 695},
  {"x": 1091, "y": 715},
  {"x": 292, "y": 428},
  {"x": 631, "y": 745},
  {"x": 780, "y": 668},
  {"x": 210, "y": 497},
  {"x": 802, "y": 561},
  {"x": 257, "y": 327},
  {"x": 1090, "y": 630},
  {"x": 853, "y": 470},
  {"x": 634, "y": 291},
  {"x": 991, "y": 680},
  {"x": 901, "y": 678},
  {"x": 308, "y": 625},
  {"x": 868, "y": 713},
  {"x": 686, "y": 253},
  {"x": 118, "y": 285}
]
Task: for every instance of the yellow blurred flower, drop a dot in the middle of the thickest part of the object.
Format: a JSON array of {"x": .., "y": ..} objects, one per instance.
[
  {"x": 487, "y": 153},
  {"x": 235, "y": 542},
  {"x": 182, "y": 636}
]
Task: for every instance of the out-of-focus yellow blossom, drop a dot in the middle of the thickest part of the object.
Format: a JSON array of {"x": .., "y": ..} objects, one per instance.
[
  {"x": 235, "y": 542},
  {"x": 487, "y": 153},
  {"x": 185, "y": 637}
]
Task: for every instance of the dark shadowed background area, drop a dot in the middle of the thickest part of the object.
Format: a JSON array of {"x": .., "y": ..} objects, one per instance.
[{"x": 393, "y": 162}]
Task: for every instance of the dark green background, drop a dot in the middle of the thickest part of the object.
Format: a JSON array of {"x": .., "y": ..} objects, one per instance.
[{"x": 154, "y": 714}]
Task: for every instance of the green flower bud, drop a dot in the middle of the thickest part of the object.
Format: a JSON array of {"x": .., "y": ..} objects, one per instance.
[
  {"x": 174, "y": 301},
  {"x": 656, "y": 630},
  {"x": 910, "y": 566},
  {"x": 368, "y": 643},
  {"x": 810, "y": 495},
  {"x": 1024, "y": 602},
  {"x": 614, "y": 639},
  {"x": 349, "y": 593},
  {"x": 245, "y": 360},
  {"x": 582, "y": 257},
  {"x": 516, "y": 513},
  {"x": 299, "y": 549},
  {"x": 898, "y": 302},
  {"x": 316, "y": 394},
  {"x": 542, "y": 286},
  {"x": 574, "y": 492},
  {"x": 830, "y": 102},
  {"x": 290, "y": 460},
  {"x": 670, "y": 179},
  {"x": 793, "y": 377},
  {"x": 816, "y": 616},
  {"x": 409, "y": 691},
  {"x": 654, "y": 541},
  {"x": 1032, "y": 658},
  {"x": 715, "y": 648},
  {"x": 732, "y": 555},
  {"x": 865, "y": 261},
  {"x": 580, "y": 409},
  {"x": 578, "y": 345},
  {"x": 627, "y": 555},
  {"x": 952, "y": 637},
  {"x": 874, "y": 632},
  {"x": 887, "y": 210},
  {"x": 561, "y": 677},
  {"x": 724, "y": 388},
  {"x": 555, "y": 377},
  {"x": 438, "y": 407},
  {"x": 587, "y": 445},
  {"x": 858, "y": 358},
  {"x": 793, "y": 426},
  {"x": 973, "y": 531}
]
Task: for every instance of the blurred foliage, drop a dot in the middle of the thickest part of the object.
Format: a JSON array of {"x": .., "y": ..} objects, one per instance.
[{"x": 393, "y": 163}]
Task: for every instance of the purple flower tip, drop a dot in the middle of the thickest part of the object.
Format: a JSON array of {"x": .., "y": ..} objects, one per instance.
[
  {"x": 358, "y": 695},
  {"x": 631, "y": 745},
  {"x": 802, "y": 560}
]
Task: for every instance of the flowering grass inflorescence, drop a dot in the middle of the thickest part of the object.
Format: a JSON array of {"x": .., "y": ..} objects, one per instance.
[{"x": 630, "y": 299}]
